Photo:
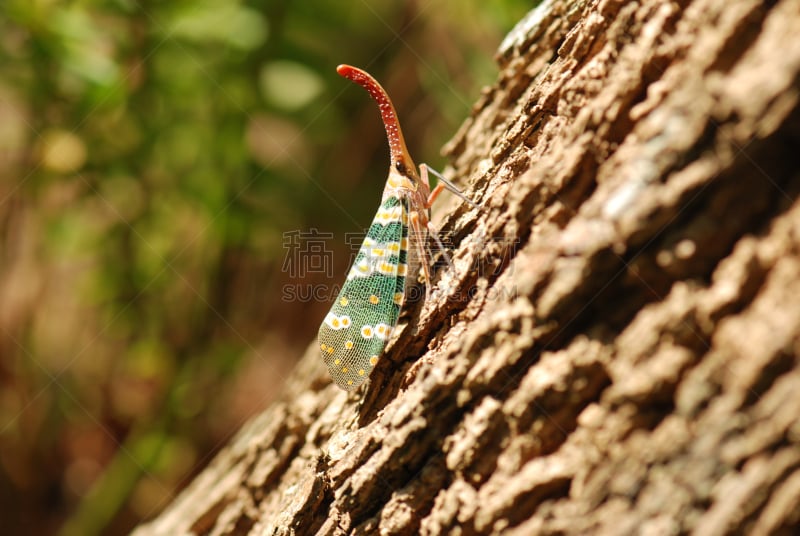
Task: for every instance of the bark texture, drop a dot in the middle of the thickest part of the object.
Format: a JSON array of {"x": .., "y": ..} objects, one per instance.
[{"x": 621, "y": 352}]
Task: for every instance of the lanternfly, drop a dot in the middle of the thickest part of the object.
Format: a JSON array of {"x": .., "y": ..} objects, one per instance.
[{"x": 355, "y": 331}]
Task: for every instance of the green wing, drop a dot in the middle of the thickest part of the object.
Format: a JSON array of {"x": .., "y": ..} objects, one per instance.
[{"x": 355, "y": 331}]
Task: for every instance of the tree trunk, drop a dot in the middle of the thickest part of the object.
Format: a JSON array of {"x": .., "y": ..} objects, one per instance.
[{"x": 621, "y": 353}]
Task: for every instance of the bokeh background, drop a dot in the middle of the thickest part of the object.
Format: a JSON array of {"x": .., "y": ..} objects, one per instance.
[{"x": 163, "y": 167}]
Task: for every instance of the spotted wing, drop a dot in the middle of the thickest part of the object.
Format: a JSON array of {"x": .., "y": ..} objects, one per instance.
[{"x": 355, "y": 331}]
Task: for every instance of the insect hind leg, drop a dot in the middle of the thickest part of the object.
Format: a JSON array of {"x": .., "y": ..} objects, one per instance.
[
  {"x": 434, "y": 234},
  {"x": 425, "y": 253}
]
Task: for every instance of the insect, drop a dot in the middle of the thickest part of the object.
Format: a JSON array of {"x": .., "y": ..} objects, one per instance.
[{"x": 360, "y": 322}]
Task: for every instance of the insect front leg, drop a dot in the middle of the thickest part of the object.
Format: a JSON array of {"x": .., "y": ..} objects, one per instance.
[
  {"x": 432, "y": 194},
  {"x": 441, "y": 185}
]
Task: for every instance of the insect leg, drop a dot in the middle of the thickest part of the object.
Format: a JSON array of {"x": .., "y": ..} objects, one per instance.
[
  {"x": 435, "y": 235},
  {"x": 443, "y": 183},
  {"x": 419, "y": 236}
]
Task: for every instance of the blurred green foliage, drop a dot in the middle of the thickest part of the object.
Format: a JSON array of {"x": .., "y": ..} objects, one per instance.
[{"x": 153, "y": 156}]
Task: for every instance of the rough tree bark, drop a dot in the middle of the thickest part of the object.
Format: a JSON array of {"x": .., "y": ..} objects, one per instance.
[{"x": 624, "y": 354}]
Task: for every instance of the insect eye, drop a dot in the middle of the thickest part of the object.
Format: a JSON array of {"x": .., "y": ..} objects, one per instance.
[{"x": 400, "y": 167}]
